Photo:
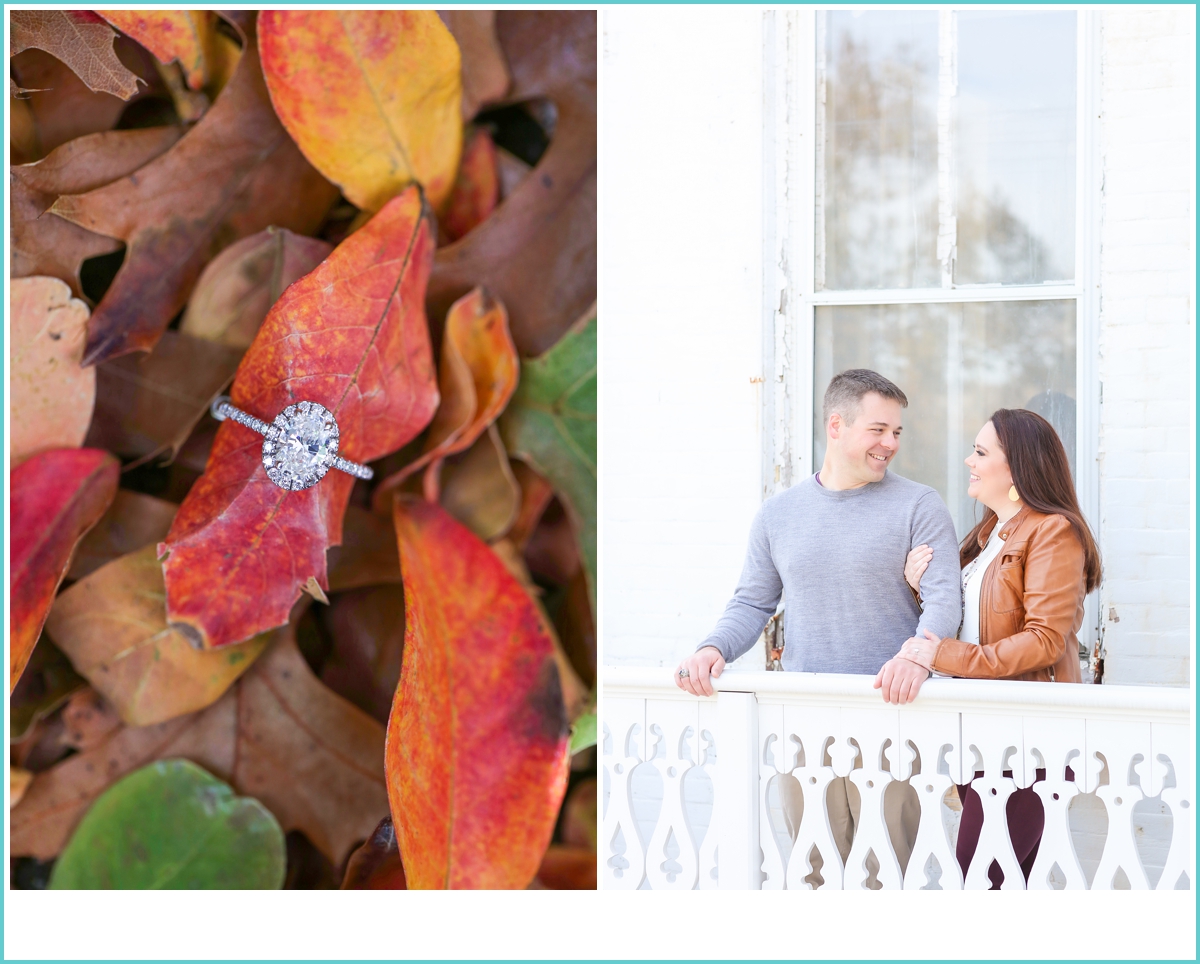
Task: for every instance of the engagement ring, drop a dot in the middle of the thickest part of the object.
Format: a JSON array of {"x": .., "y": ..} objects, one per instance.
[
  {"x": 684, "y": 674},
  {"x": 300, "y": 446}
]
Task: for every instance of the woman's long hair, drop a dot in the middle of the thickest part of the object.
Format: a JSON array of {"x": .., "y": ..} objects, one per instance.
[{"x": 1042, "y": 475}]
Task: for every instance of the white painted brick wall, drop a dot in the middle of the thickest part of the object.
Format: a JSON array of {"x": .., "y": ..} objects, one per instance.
[
  {"x": 1147, "y": 342},
  {"x": 680, "y": 292}
]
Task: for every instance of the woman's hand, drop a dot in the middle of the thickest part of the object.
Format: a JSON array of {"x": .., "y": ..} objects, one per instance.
[
  {"x": 915, "y": 566},
  {"x": 692, "y": 675},
  {"x": 920, "y": 651}
]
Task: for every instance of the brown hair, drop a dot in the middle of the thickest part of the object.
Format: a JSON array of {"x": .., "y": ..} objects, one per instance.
[
  {"x": 846, "y": 390},
  {"x": 1042, "y": 476}
]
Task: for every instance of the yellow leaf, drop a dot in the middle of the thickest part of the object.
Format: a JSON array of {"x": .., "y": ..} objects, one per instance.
[{"x": 371, "y": 97}]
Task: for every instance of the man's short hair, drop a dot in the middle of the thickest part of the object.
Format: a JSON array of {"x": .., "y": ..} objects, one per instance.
[{"x": 845, "y": 392}]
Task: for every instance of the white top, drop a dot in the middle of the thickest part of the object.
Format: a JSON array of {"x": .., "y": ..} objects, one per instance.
[{"x": 972, "y": 582}]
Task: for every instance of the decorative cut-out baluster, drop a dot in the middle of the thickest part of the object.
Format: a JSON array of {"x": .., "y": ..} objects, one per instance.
[
  {"x": 999, "y": 742},
  {"x": 624, "y": 865},
  {"x": 774, "y": 752},
  {"x": 1055, "y": 744},
  {"x": 817, "y": 728},
  {"x": 940, "y": 768},
  {"x": 1120, "y": 742},
  {"x": 1173, "y": 743},
  {"x": 873, "y": 731},
  {"x": 708, "y": 846},
  {"x": 679, "y": 722}
]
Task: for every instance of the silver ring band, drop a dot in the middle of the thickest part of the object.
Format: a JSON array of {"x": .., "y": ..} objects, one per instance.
[{"x": 300, "y": 444}]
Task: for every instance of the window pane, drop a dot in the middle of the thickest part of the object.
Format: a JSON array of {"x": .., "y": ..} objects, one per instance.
[
  {"x": 957, "y": 363},
  {"x": 945, "y": 148},
  {"x": 1015, "y": 157},
  {"x": 877, "y": 208}
]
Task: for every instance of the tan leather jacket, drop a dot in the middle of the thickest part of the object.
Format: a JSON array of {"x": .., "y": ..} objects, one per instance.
[{"x": 1030, "y": 606}]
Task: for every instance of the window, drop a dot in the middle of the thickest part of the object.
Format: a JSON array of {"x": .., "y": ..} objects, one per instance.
[{"x": 937, "y": 229}]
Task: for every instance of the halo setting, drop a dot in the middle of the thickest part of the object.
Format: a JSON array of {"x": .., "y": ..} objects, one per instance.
[{"x": 302, "y": 446}]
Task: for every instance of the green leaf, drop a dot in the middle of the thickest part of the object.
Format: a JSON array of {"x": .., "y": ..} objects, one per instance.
[
  {"x": 583, "y": 732},
  {"x": 173, "y": 826},
  {"x": 551, "y": 424}
]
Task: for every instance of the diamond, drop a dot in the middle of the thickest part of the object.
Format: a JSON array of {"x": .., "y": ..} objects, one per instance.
[{"x": 306, "y": 438}]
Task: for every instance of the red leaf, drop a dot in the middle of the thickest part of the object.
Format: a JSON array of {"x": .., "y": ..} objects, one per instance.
[
  {"x": 476, "y": 189},
  {"x": 352, "y": 336},
  {"x": 476, "y": 754},
  {"x": 56, "y": 497}
]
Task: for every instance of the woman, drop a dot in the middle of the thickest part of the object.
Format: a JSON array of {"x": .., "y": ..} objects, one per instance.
[{"x": 1026, "y": 568}]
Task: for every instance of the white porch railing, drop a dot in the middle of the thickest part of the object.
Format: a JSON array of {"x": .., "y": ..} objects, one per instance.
[{"x": 691, "y": 786}]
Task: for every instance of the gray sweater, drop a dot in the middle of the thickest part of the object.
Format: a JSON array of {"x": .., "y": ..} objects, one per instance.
[{"x": 838, "y": 559}]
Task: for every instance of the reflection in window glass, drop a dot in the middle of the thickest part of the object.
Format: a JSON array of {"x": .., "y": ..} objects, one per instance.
[
  {"x": 957, "y": 363},
  {"x": 1015, "y": 150},
  {"x": 877, "y": 207},
  {"x": 945, "y": 148}
]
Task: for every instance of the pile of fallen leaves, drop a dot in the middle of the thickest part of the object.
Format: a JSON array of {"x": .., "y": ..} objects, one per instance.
[{"x": 216, "y": 682}]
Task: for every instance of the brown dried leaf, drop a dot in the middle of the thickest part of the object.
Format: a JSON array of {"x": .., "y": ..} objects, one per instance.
[
  {"x": 478, "y": 487},
  {"x": 81, "y": 40},
  {"x": 45, "y": 244},
  {"x": 132, "y": 521},
  {"x": 240, "y": 285},
  {"x": 367, "y": 556},
  {"x": 148, "y": 404},
  {"x": 52, "y": 395},
  {"x": 367, "y": 626},
  {"x": 230, "y": 176},
  {"x": 88, "y": 720},
  {"x": 484, "y": 73},
  {"x": 537, "y": 251},
  {"x": 314, "y": 760}
]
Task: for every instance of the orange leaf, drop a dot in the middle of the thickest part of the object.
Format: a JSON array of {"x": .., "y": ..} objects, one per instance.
[
  {"x": 372, "y": 97},
  {"x": 537, "y": 252},
  {"x": 231, "y": 175},
  {"x": 477, "y": 376},
  {"x": 352, "y": 336},
  {"x": 376, "y": 864},
  {"x": 55, "y": 498},
  {"x": 476, "y": 189},
  {"x": 52, "y": 396},
  {"x": 477, "y": 749},
  {"x": 170, "y": 35}
]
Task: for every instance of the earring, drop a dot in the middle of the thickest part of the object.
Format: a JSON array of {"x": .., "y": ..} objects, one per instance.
[{"x": 1012, "y": 494}]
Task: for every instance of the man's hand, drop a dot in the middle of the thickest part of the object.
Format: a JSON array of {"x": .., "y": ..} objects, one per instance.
[
  {"x": 699, "y": 667},
  {"x": 900, "y": 680}
]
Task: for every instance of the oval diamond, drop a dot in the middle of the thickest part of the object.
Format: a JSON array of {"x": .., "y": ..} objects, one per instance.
[{"x": 304, "y": 446}]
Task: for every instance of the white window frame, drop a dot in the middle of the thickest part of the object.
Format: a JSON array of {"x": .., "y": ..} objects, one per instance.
[{"x": 789, "y": 296}]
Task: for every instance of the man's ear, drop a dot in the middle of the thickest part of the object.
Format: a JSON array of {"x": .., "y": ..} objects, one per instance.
[{"x": 834, "y": 429}]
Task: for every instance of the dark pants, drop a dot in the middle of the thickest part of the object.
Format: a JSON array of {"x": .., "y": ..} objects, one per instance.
[{"x": 1026, "y": 817}]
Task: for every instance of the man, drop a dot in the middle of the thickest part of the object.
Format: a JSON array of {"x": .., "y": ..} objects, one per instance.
[{"x": 834, "y": 546}]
